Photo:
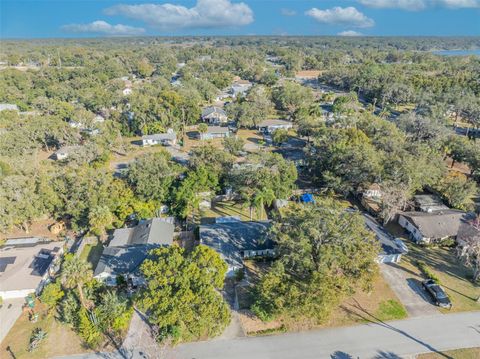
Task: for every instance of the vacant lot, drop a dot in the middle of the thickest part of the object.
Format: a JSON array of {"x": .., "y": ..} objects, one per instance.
[
  {"x": 380, "y": 304},
  {"x": 61, "y": 339}
]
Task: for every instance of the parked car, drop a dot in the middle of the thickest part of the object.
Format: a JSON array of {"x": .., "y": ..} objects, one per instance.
[{"x": 437, "y": 293}]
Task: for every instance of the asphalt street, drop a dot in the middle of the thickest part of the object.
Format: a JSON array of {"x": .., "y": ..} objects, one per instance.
[{"x": 397, "y": 339}]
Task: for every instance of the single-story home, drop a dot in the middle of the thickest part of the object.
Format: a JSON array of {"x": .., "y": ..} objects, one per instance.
[
  {"x": 427, "y": 227},
  {"x": 429, "y": 203},
  {"x": 129, "y": 247},
  {"x": 269, "y": 126},
  {"x": 27, "y": 265},
  {"x": 214, "y": 115},
  {"x": 214, "y": 132},
  {"x": 235, "y": 240},
  {"x": 165, "y": 139},
  {"x": 65, "y": 152},
  {"x": 240, "y": 87}
]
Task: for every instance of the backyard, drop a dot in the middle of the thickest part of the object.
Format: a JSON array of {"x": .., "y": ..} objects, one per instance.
[
  {"x": 230, "y": 208},
  {"x": 92, "y": 252}
]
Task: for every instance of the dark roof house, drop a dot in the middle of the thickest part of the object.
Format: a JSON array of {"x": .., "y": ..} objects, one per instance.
[
  {"x": 237, "y": 240},
  {"x": 431, "y": 226},
  {"x": 129, "y": 247}
]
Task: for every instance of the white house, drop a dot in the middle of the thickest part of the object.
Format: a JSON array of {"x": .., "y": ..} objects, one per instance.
[
  {"x": 269, "y": 126},
  {"x": 239, "y": 87},
  {"x": 8, "y": 106},
  {"x": 165, "y": 139},
  {"x": 27, "y": 265},
  {"x": 65, "y": 152},
  {"x": 214, "y": 132},
  {"x": 428, "y": 227}
]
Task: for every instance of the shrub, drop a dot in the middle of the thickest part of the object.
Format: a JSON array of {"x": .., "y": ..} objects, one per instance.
[
  {"x": 38, "y": 335},
  {"x": 427, "y": 272},
  {"x": 261, "y": 313}
]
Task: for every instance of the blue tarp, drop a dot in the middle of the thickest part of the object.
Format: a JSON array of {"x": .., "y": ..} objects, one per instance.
[{"x": 307, "y": 198}]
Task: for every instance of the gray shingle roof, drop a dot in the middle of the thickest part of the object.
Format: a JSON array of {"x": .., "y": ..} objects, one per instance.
[
  {"x": 230, "y": 239},
  {"x": 161, "y": 136},
  {"x": 439, "y": 224},
  {"x": 213, "y": 110}
]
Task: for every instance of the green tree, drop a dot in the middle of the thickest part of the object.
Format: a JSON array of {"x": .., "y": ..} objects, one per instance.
[
  {"x": 75, "y": 272},
  {"x": 100, "y": 219},
  {"x": 279, "y": 136},
  {"x": 151, "y": 176},
  {"x": 182, "y": 296},
  {"x": 52, "y": 294},
  {"x": 458, "y": 191},
  {"x": 88, "y": 331},
  {"x": 324, "y": 254},
  {"x": 234, "y": 145}
]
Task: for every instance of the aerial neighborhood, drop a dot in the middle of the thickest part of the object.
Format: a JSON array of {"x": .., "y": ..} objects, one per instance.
[{"x": 163, "y": 191}]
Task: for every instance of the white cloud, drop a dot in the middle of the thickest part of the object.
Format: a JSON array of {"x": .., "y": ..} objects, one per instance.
[
  {"x": 205, "y": 14},
  {"x": 350, "y": 33},
  {"x": 397, "y": 4},
  {"x": 415, "y": 5},
  {"x": 348, "y": 16},
  {"x": 103, "y": 27},
  {"x": 288, "y": 12}
]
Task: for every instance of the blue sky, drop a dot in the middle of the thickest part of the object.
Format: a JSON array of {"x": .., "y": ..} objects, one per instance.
[{"x": 90, "y": 18}]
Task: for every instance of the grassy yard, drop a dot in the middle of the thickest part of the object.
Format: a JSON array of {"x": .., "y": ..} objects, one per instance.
[
  {"x": 471, "y": 353},
  {"x": 92, "y": 252},
  {"x": 443, "y": 262},
  {"x": 453, "y": 275},
  {"x": 230, "y": 208},
  {"x": 61, "y": 339}
]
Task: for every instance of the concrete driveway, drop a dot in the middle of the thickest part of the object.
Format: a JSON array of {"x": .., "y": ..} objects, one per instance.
[
  {"x": 9, "y": 313},
  {"x": 408, "y": 288}
]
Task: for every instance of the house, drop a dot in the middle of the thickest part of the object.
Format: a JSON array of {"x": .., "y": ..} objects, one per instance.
[
  {"x": 129, "y": 247},
  {"x": 307, "y": 75},
  {"x": 65, "y": 152},
  {"x": 240, "y": 87},
  {"x": 428, "y": 227},
  {"x": 8, "y": 106},
  {"x": 236, "y": 241},
  {"x": 429, "y": 203},
  {"x": 165, "y": 139},
  {"x": 269, "y": 126},
  {"x": 215, "y": 132},
  {"x": 371, "y": 198},
  {"x": 27, "y": 265},
  {"x": 214, "y": 115}
]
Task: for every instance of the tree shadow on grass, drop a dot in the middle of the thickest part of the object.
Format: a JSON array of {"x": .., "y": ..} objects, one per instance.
[{"x": 368, "y": 317}]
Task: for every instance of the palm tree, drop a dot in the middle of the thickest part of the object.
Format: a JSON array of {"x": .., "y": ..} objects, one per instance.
[
  {"x": 263, "y": 197},
  {"x": 75, "y": 273}
]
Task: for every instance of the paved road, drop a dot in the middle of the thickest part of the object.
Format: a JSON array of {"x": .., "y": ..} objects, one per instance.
[{"x": 374, "y": 340}]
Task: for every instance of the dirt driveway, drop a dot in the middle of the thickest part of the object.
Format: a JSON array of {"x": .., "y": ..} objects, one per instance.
[{"x": 408, "y": 288}]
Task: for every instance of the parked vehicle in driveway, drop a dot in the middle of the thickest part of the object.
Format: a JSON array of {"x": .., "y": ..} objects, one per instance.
[{"x": 437, "y": 293}]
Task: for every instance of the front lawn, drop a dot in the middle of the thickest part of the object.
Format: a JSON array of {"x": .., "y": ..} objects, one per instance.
[
  {"x": 61, "y": 339},
  {"x": 453, "y": 275}
]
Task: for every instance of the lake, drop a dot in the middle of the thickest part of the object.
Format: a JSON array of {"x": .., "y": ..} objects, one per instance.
[{"x": 457, "y": 52}]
